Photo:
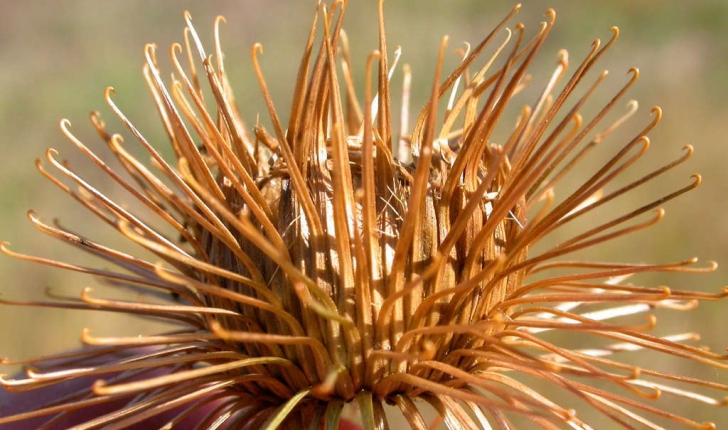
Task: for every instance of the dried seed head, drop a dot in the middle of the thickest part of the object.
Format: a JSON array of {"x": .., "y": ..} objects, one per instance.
[{"x": 331, "y": 261}]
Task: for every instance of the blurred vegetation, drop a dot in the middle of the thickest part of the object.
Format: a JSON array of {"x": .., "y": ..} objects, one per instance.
[{"x": 56, "y": 58}]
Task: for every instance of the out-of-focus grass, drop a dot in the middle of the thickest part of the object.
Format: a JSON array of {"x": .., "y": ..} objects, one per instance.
[{"x": 57, "y": 57}]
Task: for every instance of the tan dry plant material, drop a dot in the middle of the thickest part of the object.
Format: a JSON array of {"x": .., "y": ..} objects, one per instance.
[{"x": 334, "y": 259}]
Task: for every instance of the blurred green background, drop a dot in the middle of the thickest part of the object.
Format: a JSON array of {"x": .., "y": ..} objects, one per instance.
[{"x": 56, "y": 58}]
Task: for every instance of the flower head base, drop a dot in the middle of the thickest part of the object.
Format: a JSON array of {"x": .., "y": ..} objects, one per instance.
[{"x": 333, "y": 260}]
